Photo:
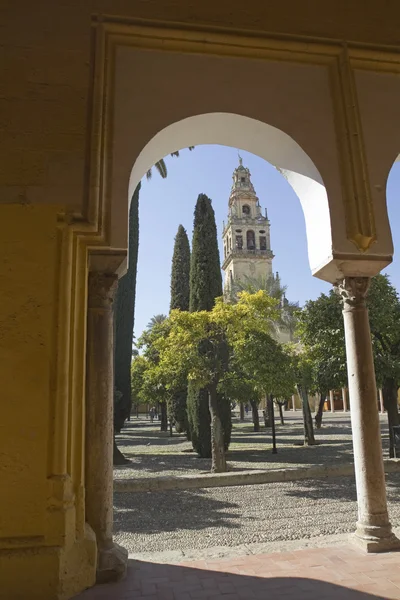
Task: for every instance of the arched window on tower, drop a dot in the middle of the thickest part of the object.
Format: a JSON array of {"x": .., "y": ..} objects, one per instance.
[
  {"x": 239, "y": 242},
  {"x": 263, "y": 242},
  {"x": 251, "y": 240},
  {"x": 246, "y": 210}
]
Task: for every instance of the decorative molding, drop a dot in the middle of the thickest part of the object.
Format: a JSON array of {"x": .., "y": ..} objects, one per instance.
[
  {"x": 356, "y": 193},
  {"x": 340, "y": 60},
  {"x": 102, "y": 287},
  {"x": 353, "y": 291}
]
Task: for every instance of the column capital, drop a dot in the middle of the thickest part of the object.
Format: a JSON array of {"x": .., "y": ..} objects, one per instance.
[
  {"x": 101, "y": 289},
  {"x": 353, "y": 291}
]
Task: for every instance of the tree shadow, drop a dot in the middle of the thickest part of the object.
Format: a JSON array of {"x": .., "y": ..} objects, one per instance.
[
  {"x": 339, "y": 488},
  {"x": 219, "y": 582},
  {"x": 159, "y": 464},
  {"x": 197, "y": 510}
]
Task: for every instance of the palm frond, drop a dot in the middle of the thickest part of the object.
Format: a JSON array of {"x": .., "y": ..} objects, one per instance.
[{"x": 161, "y": 168}]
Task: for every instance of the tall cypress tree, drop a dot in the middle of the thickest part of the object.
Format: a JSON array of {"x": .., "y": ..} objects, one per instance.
[
  {"x": 180, "y": 276},
  {"x": 180, "y": 272},
  {"x": 205, "y": 287}
]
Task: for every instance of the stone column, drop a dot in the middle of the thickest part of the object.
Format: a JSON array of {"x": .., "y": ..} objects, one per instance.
[
  {"x": 381, "y": 401},
  {"x": 112, "y": 559},
  {"x": 332, "y": 401},
  {"x": 344, "y": 398},
  {"x": 294, "y": 403},
  {"x": 373, "y": 532}
]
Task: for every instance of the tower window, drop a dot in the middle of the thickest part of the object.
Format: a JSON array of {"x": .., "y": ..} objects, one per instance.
[
  {"x": 243, "y": 179},
  {"x": 246, "y": 209},
  {"x": 251, "y": 240},
  {"x": 262, "y": 231},
  {"x": 239, "y": 242},
  {"x": 263, "y": 242}
]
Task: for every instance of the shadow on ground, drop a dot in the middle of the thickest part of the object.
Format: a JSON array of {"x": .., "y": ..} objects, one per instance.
[
  {"x": 196, "y": 510},
  {"x": 165, "y": 582}
]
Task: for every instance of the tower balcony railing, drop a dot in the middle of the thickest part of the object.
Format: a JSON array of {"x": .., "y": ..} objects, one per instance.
[{"x": 247, "y": 253}]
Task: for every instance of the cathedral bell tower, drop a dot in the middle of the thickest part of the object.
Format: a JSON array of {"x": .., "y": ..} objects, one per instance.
[{"x": 246, "y": 236}]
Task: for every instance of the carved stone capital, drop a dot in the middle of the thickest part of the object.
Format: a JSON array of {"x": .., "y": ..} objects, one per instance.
[
  {"x": 102, "y": 287},
  {"x": 353, "y": 291}
]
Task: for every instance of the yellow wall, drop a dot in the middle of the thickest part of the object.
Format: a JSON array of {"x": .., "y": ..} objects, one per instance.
[{"x": 40, "y": 501}]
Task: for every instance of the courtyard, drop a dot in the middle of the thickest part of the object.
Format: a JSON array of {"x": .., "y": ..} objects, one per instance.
[{"x": 187, "y": 523}]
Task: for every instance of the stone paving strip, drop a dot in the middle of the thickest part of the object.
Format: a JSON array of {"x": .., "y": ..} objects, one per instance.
[
  {"x": 191, "y": 520},
  {"x": 185, "y": 482}
]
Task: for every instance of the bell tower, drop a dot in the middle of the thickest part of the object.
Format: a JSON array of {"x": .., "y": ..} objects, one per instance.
[{"x": 246, "y": 235}]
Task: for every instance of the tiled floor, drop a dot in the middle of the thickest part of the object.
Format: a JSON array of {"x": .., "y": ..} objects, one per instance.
[{"x": 336, "y": 572}]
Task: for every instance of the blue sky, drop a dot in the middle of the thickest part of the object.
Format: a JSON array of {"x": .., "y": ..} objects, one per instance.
[{"x": 166, "y": 203}]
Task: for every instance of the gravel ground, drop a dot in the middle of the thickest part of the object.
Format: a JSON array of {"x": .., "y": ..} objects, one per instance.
[
  {"x": 154, "y": 453},
  {"x": 231, "y": 516}
]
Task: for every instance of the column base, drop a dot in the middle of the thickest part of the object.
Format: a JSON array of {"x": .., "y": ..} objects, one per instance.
[
  {"x": 112, "y": 564},
  {"x": 375, "y": 539}
]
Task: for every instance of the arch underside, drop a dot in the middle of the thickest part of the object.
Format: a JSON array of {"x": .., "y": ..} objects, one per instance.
[{"x": 279, "y": 111}]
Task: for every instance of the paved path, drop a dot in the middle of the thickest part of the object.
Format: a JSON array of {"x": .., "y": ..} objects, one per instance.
[{"x": 338, "y": 572}]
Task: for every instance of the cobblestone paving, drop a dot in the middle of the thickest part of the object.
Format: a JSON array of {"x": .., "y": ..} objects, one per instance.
[
  {"x": 230, "y": 516},
  {"x": 152, "y": 451}
]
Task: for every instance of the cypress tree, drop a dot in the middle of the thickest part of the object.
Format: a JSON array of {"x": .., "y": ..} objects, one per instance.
[
  {"x": 124, "y": 312},
  {"x": 205, "y": 287},
  {"x": 180, "y": 275},
  {"x": 180, "y": 272}
]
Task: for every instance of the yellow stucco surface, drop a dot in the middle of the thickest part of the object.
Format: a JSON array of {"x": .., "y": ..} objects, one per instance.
[{"x": 38, "y": 539}]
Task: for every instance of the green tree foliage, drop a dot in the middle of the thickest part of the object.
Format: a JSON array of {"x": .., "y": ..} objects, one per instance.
[
  {"x": 180, "y": 272},
  {"x": 288, "y": 311},
  {"x": 180, "y": 292},
  {"x": 124, "y": 308},
  {"x": 124, "y": 314},
  {"x": 322, "y": 332},
  {"x": 153, "y": 389},
  {"x": 205, "y": 269},
  {"x": 198, "y": 345},
  {"x": 205, "y": 287},
  {"x": 156, "y": 320}
]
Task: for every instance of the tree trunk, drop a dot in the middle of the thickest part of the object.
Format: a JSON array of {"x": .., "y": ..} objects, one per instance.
[
  {"x": 241, "y": 405},
  {"x": 218, "y": 464},
  {"x": 389, "y": 391},
  {"x": 118, "y": 457},
  {"x": 254, "y": 411},
  {"x": 163, "y": 415},
  {"x": 281, "y": 413},
  {"x": 320, "y": 411},
  {"x": 309, "y": 439},
  {"x": 268, "y": 415},
  {"x": 272, "y": 418}
]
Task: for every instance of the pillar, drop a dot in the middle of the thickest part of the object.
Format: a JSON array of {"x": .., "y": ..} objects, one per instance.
[
  {"x": 332, "y": 401},
  {"x": 294, "y": 403},
  {"x": 381, "y": 401},
  {"x": 344, "y": 398},
  {"x": 373, "y": 532},
  {"x": 112, "y": 559}
]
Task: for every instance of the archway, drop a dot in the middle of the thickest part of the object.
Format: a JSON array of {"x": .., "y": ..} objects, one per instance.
[{"x": 266, "y": 141}]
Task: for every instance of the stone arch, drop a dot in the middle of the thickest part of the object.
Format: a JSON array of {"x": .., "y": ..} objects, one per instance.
[
  {"x": 250, "y": 239},
  {"x": 268, "y": 142}
]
